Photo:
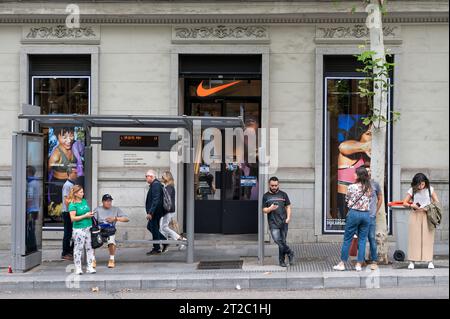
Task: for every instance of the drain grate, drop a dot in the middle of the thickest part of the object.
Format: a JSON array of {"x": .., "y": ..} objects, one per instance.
[{"x": 220, "y": 264}]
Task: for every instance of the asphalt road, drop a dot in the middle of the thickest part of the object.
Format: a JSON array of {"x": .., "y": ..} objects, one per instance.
[{"x": 440, "y": 292}]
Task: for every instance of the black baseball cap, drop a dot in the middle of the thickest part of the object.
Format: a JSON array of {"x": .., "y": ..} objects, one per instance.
[{"x": 106, "y": 197}]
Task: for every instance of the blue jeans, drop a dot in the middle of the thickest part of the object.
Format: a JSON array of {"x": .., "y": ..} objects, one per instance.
[
  {"x": 372, "y": 240},
  {"x": 279, "y": 235},
  {"x": 357, "y": 222},
  {"x": 153, "y": 227}
]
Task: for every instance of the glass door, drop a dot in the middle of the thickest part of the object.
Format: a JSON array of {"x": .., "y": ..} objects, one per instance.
[
  {"x": 207, "y": 180},
  {"x": 226, "y": 191}
]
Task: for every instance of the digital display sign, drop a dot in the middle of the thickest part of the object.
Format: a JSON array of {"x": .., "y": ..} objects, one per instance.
[{"x": 136, "y": 140}]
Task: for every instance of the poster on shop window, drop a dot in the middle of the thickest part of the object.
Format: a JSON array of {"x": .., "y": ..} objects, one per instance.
[
  {"x": 353, "y": 140},
  {"x": 65, "y": 159}
]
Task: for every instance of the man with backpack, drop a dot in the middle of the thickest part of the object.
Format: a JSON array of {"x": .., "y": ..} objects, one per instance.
[{"x": 154, "y": 207}]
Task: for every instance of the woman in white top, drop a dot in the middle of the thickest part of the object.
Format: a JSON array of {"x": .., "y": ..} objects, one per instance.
[{"x": 421, "y": 237}]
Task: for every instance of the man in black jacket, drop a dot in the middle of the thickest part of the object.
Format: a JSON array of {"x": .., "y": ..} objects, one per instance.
[{"x": 154, "y": 209}]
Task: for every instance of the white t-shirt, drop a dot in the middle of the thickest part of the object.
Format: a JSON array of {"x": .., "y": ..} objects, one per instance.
[{"x": 422, "y": 197}]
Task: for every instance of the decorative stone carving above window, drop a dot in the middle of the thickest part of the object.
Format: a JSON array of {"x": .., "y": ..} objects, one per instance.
[
  {"x": 355, "y": 33},
  {"x": 61, "y": 34},
  {"x": 220, "y": 34}
]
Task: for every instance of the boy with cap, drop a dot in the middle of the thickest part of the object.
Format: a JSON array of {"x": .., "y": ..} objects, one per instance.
[{"x": 109, "y": 215}]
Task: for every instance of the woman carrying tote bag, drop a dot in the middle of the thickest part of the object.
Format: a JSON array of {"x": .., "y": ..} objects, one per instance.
[{"x": 420, "y": 235}]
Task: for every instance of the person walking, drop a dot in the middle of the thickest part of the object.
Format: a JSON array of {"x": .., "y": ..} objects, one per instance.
[
  {"x": 81, "y": 216},
  {"x": 107, "y": 216},
  {"x": 169, "y": 184},
  {"x": 67, "y": 244},
  {"x": 421, "y": 236},
  {"x": 154, "y": 209},
  {"x": 358, "y": 218},
  {"x": 277, "y": 207}
]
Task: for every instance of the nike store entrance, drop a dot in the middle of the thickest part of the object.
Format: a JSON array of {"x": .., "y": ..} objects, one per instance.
[{"x": 226, "y": 193}]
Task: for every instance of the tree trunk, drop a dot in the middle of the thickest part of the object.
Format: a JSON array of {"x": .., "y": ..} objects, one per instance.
[{"x": 378, "y": 156}]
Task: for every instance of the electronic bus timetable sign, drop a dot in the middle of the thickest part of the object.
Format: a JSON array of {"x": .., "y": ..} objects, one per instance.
[{"x": 136, "y": 141}]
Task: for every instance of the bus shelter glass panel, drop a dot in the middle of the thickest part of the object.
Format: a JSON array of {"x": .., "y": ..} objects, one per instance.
[{"x": 34, "y": 195}]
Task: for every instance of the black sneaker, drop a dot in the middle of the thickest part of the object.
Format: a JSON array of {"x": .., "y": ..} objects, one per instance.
[
  {"x": 165, "y": 248},
  {"x": 291, "y": 258},
  {"x": 153, "y": 252},
  {"x": 282, "y": 263}
]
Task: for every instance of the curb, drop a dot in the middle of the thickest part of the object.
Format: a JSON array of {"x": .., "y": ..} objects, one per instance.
[{"x": 229, "y": 281}]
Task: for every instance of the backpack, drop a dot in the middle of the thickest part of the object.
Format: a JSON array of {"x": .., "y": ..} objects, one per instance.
[{"x": 167, "y": 201}]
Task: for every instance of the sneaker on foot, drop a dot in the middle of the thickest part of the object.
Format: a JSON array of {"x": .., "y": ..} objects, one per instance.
[
  {"x": 291, "y": 258},
  {"x": 358, "y": 267},
  {"x": 165, "y": 248},
  {"x": 78, "y": 271},
  {"x": 282, "y": 263},
  {"x": 411, "y": 266},
  {"x": 339, "y": 267},
  {"x": 430, "y": 265},
  {"x": 91, "y": 271},
  {"x": 111, "y": 263}
]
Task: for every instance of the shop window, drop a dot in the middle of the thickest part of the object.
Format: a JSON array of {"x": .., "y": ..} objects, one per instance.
[
  {"x": 60, "y": 84},
  {"x": 347, "y": 146}
]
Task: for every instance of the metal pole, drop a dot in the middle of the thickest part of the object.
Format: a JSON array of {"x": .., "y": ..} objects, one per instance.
[
  {"x": 190, "y": 211},
  {"x": 88, "y": 168},
  {"x": 190, "y": 195},
  {"x": 262, "y": 181}
]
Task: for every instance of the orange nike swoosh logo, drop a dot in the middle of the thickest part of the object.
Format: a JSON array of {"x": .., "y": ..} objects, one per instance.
[{"x": 201, "y": 91}]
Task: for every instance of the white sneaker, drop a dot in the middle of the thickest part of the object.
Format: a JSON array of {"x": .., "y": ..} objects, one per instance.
[
  {"x": 430, "y": 265},
  {"x": 91, "y": 271},
  {"x": 358, "y": 268},
  {"x": 339, "y": 267},
  {"x": 78, "y": 271},
  {"x": 411, "y": 266}
]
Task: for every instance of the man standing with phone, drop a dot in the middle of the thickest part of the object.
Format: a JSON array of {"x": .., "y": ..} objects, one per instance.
[{"x": 277, "y": 206}]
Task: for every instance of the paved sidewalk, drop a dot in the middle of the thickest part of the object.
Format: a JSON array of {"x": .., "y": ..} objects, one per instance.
[{"x": 135, "y": 270}]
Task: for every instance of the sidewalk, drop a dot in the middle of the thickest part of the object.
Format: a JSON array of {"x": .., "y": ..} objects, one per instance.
[{"x": 135, "y": 270}]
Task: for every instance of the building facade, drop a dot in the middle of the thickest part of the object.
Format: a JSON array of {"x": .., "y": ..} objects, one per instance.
[{"x": 288, "y": 65}]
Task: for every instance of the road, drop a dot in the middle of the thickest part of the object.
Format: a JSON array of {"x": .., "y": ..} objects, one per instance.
[{"x": 440, "y": 292}]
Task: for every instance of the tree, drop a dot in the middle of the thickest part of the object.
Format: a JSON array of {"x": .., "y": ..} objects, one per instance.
[{"x": 375, "y": 88}]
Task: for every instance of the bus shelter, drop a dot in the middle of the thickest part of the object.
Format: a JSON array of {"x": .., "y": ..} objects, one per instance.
[{"x": 28, "y": 151}]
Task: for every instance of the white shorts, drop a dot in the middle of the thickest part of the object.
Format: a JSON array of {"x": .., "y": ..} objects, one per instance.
[{"x": 112, "y": 240}]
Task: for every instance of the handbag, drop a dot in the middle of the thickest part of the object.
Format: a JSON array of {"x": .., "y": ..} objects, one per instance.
[
  {"x": 354, "y": 246},
  {"x": 96, "y": 237}
]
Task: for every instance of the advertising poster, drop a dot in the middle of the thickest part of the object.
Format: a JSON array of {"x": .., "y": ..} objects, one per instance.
[
  {"x": 66, "y": 146},
  {"x": 354, "y": 150}
]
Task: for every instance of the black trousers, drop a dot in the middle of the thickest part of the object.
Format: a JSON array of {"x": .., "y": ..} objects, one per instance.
[
  {"x": 67, "y": 245},
  {"x": 153, "y": 227}
]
